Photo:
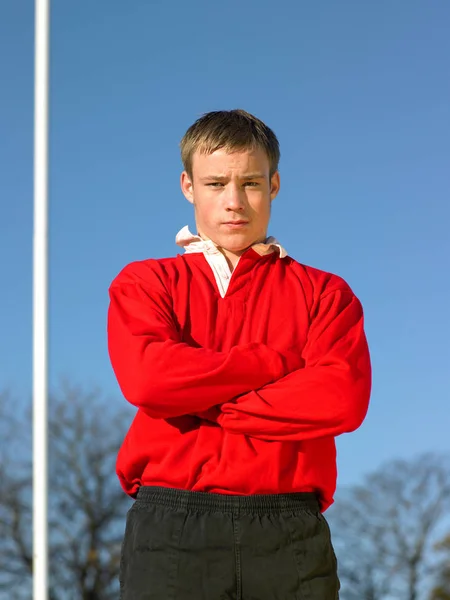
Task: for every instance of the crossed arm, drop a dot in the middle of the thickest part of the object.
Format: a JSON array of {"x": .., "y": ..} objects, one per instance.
[{"x": 253, "y": 389}]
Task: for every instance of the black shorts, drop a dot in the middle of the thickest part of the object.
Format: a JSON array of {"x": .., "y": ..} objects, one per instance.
[{"x": 182, "y": 545}]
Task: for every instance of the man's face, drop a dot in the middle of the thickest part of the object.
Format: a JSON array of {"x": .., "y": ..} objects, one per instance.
[{"x": 232, "y": 195}]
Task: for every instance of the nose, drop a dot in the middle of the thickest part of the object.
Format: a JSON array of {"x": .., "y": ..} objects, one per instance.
[{"x": 234, "y": 198}]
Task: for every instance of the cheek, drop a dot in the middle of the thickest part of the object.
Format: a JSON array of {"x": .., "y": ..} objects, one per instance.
[
  {"x": 205, "y": 210},
  {"x": 261, "y": 210}
]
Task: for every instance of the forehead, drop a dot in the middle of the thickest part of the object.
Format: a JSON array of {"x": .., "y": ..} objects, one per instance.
[{"x": 238, "y": 162}]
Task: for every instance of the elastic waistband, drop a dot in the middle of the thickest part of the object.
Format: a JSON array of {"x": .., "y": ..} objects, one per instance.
[{"x": 260, "y": 503}]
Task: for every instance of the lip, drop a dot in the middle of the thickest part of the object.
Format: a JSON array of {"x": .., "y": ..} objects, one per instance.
[{"x": 236, "y": 223}]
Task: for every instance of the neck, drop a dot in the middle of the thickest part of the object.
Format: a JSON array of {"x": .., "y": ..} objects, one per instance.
[{"x": 232, "y": 257}]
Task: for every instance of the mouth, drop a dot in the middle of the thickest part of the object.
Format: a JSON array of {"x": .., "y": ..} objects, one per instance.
[{"x": 236, "y": 224}]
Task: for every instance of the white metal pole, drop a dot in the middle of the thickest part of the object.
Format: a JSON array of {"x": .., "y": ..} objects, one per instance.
[{"x": 40, "y": 302}]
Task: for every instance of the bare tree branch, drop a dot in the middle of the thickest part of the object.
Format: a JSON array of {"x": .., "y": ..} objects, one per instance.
[
  {"x": 385, "y": 528},
  {"x": 87, "y": 508}
]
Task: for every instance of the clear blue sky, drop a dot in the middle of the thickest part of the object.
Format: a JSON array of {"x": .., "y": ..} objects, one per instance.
[{"x": 359, "y": 96}]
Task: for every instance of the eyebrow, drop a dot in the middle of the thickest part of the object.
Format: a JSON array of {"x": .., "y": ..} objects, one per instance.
[
  {"x": 224, "y": 178},
  {"x": 213, "y": 178},
  {"x": 253, "y": 176}
]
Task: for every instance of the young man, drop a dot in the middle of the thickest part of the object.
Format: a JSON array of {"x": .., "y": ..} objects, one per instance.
[{"x": 244, "y": 365}]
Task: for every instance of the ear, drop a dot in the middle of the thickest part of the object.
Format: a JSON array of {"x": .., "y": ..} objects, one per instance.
[
  {"x": 274, "y": 185},
  {"x": 187, "y": 187}
]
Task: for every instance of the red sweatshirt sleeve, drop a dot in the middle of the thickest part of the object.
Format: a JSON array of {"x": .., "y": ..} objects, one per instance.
[
  {"x": 328, "y": 396},
  {"x": 159, "y": 373}
]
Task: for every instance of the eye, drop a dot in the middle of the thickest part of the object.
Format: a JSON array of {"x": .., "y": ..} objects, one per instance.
[
  {"x": 251, "y": 183},
  {"x": 215, "y": 184}
]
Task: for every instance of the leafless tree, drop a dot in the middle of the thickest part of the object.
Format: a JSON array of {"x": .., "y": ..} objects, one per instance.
[
  {"x": 441, "y": 589},
  {"x": 87, "y": 508},
  {"x": 384, "y": 529},
  {"x": 15, "y": 550}
]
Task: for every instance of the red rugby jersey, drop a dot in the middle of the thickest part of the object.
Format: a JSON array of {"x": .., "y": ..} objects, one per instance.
[{"x": 241, "y": 394}]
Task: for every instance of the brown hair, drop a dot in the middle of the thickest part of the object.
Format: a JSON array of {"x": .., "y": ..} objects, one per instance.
[{"x": 232, "y": 130}]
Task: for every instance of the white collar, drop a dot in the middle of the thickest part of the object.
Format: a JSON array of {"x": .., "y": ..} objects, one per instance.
[{"x": 194, "y": 243}]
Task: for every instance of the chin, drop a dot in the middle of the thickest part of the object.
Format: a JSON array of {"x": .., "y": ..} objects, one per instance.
[{"x": 235, "y": 243}]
